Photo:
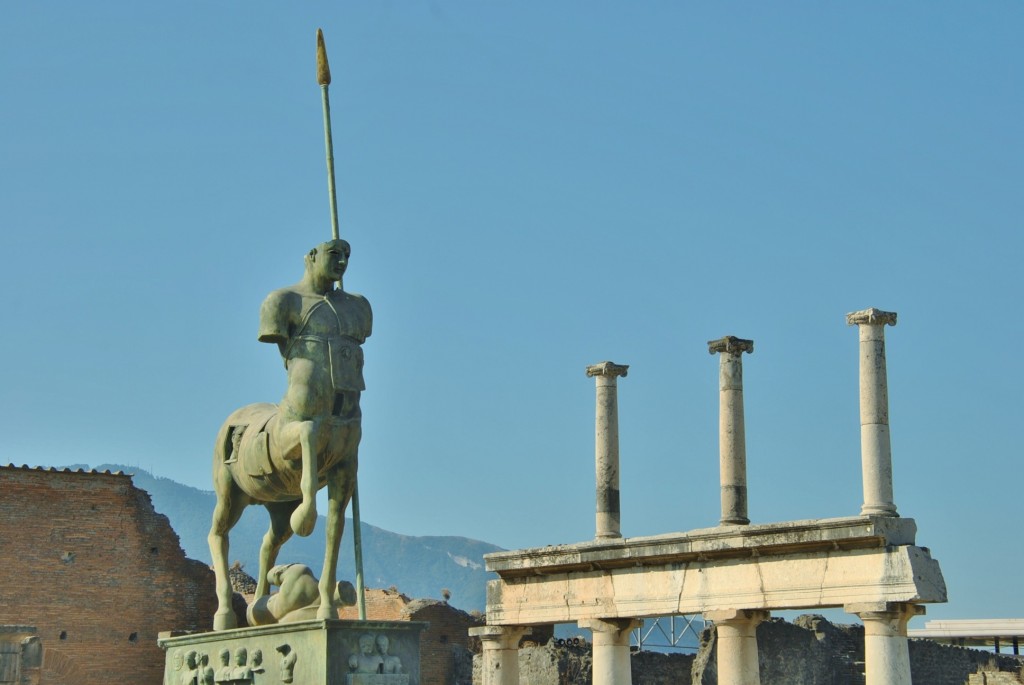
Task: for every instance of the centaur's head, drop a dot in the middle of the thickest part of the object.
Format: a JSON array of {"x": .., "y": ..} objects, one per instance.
[{"x": 328, "y": 261}]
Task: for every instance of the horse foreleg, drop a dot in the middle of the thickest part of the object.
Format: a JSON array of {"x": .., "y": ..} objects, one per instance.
[
  {"x": 339, "y": 491},
  {"x": 303, "y": 519},
  {"x": 278, "y": 533},
  {"x": 229, "y": 507}
]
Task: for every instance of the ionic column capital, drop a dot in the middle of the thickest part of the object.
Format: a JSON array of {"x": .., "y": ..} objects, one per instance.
[
  {"x": 730, "y": 344},
  {"x": 500, "y": 637},
  {"x": 607, "y": 369},
  {"x": 885, "y": 619},
  {"x": 871, "y": 317},
  {"x": 610, "y": 625},
  {"x": 732, "y": 616}
]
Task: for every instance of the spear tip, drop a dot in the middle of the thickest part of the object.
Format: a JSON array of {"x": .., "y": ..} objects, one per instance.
[{"x": 323, "y": 69}]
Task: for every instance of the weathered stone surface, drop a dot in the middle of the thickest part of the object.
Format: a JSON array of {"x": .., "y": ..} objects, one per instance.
[
  {"x": 809, "y": 651},
  {"x": 21, "y": 655},
  {"x": 310, "y": 652},
  {"x": 732, "y": 442},
  {"x": 847, "y": 533},
  {"x": 814, "y": 651},
  {"x": 987, "y": 678},
  {"x": 876, "y": 451},
  {"x": 655, "y": 668},
  {"x": 608, "y": 523},
  {"x": 808, "y": 564},
  {"x": 548, "y": 664}
]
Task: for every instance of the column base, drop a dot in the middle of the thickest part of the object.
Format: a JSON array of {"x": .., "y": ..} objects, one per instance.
[{"x": 879, "y": 510}]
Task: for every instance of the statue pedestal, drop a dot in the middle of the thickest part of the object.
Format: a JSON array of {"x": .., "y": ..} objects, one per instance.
[{"x": 318, "y": 652}]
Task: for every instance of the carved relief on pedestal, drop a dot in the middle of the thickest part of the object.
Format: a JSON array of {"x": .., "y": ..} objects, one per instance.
[
  {"x": 257, "y": 661},
  {"x": 190, "y": 663},
  {"x": 224, "y": 672},
  {"x": 372, "y": 664},
  {"x": 239, "y": 673},
  {"x": 287, "y": 664},
  {"x": 205, "y": 670}
]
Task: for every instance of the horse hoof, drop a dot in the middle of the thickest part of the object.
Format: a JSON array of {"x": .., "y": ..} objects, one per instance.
[
  {"x": 225, "y": 620},
  {"x": 303, "y": 520}
]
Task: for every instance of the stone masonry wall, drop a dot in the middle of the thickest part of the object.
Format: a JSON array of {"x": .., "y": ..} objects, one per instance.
[
  {"x": 443, "y": 643},
  {"x": 100, "y": 573},
  {"x": 814, "y": 651},
  {"x": 809, "y": 651}
]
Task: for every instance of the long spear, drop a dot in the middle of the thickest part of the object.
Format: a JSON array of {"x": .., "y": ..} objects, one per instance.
[{"x": 323, "y": 77}]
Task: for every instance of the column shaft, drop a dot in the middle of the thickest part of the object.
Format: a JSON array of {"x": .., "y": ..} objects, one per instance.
[
  {"x": 608, "y": 522},
  {"x": 500, "y": 657},
  {"x": 612, "y": 664},
  {"x": 736, "y": 638},
  {"x": 886, "y": 652},
  {"x": 606, "y": 459},
  {"x": 876, "y": 449},
  {"x": 732, "y": 442}
]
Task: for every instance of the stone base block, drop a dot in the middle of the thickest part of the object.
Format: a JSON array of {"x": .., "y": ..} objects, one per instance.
[{"x": 318, "y": 652}]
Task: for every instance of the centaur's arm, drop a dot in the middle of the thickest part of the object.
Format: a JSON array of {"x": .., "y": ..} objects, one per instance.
[{"x": 277, "y": 318}]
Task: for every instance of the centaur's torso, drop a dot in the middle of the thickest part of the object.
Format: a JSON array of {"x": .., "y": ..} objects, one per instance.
[{"x": 320, "y": 338}]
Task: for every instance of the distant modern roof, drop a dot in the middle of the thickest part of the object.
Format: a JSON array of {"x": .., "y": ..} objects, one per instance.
[{"x": 975, "y": 631}]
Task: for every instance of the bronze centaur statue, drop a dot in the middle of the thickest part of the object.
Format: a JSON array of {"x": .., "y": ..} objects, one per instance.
[{"x": 280, "y": 455}]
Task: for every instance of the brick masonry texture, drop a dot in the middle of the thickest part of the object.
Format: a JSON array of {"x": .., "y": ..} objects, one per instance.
[{"x": 89, "y": 562}]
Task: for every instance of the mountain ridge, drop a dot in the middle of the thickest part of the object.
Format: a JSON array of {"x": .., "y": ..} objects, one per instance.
[{"x": 419, "y": 566}]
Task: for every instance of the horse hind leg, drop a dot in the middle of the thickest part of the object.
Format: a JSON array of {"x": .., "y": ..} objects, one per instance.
[
  {"x": 278, "y": 533},
  {"x": 231, "y": 501}
]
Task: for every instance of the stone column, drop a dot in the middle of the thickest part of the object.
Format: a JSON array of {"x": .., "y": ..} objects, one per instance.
[
  {"x": 500, "y": 658},
  {"x": 732, "y": 443},
  {"x": 886, "y": 653},
  {"x": 606, "y": 452},
  {"x": 736, "y": 631},
  {"x": 875, "y": 449},
  {"x": 611, "y": 649}
]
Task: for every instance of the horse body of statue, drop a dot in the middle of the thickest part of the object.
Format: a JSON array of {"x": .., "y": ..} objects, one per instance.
[{"x": 280, "y": 455}]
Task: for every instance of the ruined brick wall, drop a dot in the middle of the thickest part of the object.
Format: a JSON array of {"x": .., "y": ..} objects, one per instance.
[
  {"x": 381, "y": 605},
  {"x": 88, "y": 561},
  {"x": 444, "y": 644}
]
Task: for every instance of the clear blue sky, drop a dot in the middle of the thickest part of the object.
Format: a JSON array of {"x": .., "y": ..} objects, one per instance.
[{"x": 530, "y": 188}]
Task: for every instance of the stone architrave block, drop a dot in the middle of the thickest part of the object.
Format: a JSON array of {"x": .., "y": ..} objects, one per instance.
[{"x": 794, "y": 565}]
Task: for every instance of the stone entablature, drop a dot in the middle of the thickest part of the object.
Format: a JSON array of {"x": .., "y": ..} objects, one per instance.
[
  {"x": 848, "y": 533},
  {"x": 793, "y": 565}
]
